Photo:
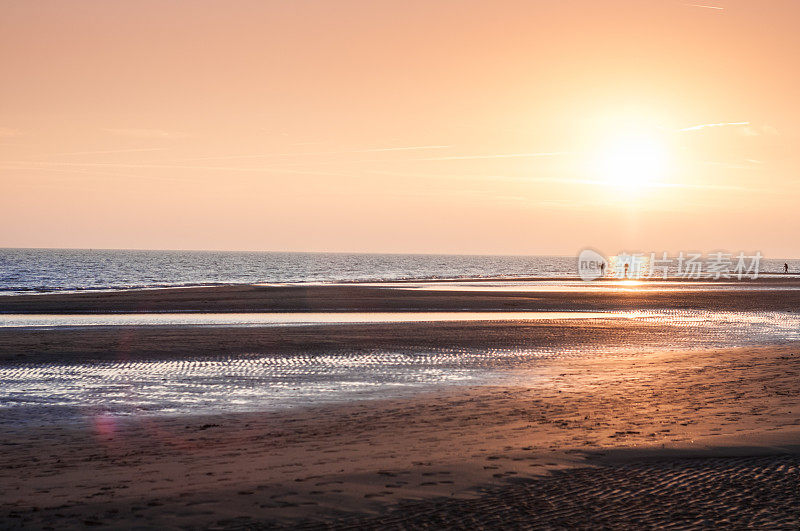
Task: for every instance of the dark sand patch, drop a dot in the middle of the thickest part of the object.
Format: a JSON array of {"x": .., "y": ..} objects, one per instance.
[
  {"x": 332, "y": 298},
  {"x": 735, "y": 492}
]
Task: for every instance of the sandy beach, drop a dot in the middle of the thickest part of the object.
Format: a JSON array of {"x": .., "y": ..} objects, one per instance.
[
  {"x": 682, "y": 438},
  {"x": 631, "y": 430}
]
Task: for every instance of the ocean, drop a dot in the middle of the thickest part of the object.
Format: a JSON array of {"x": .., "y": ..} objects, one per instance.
[
  {"x": 59, "y": 270},
  {"x": 54, "y": 270}
]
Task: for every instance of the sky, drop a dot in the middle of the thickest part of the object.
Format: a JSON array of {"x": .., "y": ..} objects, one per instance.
[{"x": 494, "y": 127}]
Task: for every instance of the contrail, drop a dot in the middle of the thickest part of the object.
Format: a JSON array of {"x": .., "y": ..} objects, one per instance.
[
  {"x": 571, "y": 180},
  {"x": 406, "y": 148},
  {"x": 703, "y": 126},
  {"x": 44, "y": 165},
  {"x": 98, "y": 173},
  {"x": 717, "y": 8},
  {"x": 105, "y": 152},
  {"x": 501, "y": 156},
  {"x": 310, "y": 153}
]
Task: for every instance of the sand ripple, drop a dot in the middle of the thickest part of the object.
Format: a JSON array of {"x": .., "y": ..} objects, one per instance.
[
  {"x": 682, "y": 494},
  {"x": 207, "y": 383}
]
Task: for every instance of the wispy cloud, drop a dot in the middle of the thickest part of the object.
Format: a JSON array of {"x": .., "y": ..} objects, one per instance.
[
  {"x": 720, "y": 187},
  {"x": 576, "y": 181},
  {"x": 403, "y": 148},
  {"x": 29, "y": 165},
  {"x": 500, "y": 156},
  {"x": 316, "y": 153},
  {"x": 145, "y": 133},
  {"x": 103, "y": 152},
  {"x": 720, "y": 124},
  {"x": 743, "y": 128},
  {"x": 599, "y": 182},
  {"x": 555, "y": 180},
  {"x": 706, "y": 6},
  {"x": 748, "y": 164},
  {"x": 755, "y": 130},
  {"x": 7, "y": 132},
  {"x": 78, "y": 171}
]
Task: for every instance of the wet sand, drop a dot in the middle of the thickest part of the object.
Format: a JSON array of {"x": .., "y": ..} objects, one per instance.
[
  {"x": 749, "y": 295},
  {"x": 662, "y": 438},
  {"x": 173, "y": 342}
]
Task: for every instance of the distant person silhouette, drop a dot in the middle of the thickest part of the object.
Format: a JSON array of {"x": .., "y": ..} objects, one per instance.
[
  {"x": 626, "y": 271},
  {"x": 602, "y": 269},
  {"x": 785, "y": 268}
]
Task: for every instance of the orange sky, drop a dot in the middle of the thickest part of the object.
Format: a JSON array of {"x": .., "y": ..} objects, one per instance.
[{"x": 413, "y": 126}]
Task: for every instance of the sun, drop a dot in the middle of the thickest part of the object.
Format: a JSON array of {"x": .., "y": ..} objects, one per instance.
[{"x": 632, "y": 162}]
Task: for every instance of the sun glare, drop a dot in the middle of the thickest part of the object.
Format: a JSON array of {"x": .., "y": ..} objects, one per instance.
[{"x": 632, "y": 162}]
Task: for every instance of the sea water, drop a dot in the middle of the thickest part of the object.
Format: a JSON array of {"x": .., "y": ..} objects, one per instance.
[{"x": 58, "y": 270}]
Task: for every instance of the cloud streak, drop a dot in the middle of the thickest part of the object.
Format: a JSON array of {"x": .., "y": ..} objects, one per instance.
[
  {"x": 500, "y": 156},
  {"x": 404, "y": 148},
  {"x": 7, "y": 132},
  {"x": 598, "y": 182},
  {"x": 720, "y": 124},
  {"x": 103, "y": 152},
  {"x": 77, "y": 171},
  {"x": 315, "y": 153},
  {"x": 144, "y": 133},
  {"x": 31, "y": 165},
  {"x": 572, "y": 181},
  {"x": 706, "y": 6}
]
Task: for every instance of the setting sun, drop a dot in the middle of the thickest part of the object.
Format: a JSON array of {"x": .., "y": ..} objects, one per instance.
[{"x": 632, "y": 162}]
